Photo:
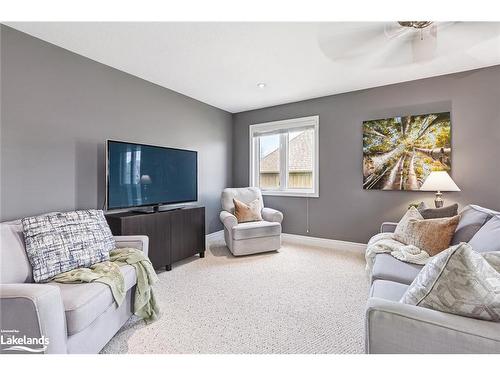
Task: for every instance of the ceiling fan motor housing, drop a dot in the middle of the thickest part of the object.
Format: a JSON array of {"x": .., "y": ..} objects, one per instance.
[{"x": 415, "y": 24}]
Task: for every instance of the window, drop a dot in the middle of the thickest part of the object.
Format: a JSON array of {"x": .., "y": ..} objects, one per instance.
[{"x": 284, "y": 157}]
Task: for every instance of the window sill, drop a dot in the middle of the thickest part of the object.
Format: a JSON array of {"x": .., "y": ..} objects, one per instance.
[{"x": 289, "y": 193}]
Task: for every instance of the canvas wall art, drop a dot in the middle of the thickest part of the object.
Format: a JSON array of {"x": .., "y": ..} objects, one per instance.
[{"x": 400, "y": 152}]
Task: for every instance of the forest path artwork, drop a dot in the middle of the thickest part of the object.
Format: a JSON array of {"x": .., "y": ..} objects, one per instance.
[{"x": 400, "y": 152}]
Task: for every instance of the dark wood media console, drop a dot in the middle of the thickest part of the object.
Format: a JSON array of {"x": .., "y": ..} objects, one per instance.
[{"x": 173, "y": 235}]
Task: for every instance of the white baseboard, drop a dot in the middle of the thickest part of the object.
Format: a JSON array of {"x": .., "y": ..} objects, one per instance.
[
  {"x": 324, "y": 242},
  {"x": 309, "y": 241}
]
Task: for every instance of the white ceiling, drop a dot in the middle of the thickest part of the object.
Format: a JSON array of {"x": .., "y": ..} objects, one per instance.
[{"x": 222, "y": 63}]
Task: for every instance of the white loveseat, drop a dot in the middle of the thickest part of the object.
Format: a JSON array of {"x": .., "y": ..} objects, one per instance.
[{"x": 76, "y": 318}]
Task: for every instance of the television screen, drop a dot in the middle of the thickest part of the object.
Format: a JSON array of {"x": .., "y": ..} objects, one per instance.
[{"x": 142, "y": 175}]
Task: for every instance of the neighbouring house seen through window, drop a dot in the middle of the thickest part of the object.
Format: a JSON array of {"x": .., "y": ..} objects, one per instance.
[{"x": 284, "y": 157}]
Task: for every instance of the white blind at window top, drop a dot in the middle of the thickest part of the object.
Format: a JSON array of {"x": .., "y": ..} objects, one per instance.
[{"x": 260, "y": 133}]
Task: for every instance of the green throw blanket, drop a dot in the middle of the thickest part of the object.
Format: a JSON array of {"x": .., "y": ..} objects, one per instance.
[{"x": 109, "y": 273}]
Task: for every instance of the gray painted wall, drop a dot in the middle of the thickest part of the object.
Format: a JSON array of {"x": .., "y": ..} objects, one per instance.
[
  {"x": 344, "y": 211},
  {"x": 58, "y": 108}
]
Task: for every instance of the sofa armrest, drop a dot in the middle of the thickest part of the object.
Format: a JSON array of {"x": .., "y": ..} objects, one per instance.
[
  {"x": 393, "y": 327},
  {"x": 34, "y": 310},
  {"x": 388, "y": 227},
  {"x": 228, "y": 219},
  {"x": 135, "y": 242},
  {"x": 269, "y": 214}
]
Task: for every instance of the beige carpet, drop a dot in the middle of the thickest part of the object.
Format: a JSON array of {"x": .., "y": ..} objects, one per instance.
[{"x": 298, "y": 300}]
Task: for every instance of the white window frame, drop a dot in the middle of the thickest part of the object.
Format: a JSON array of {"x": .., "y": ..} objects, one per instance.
[{"x": 310, "y": 121}]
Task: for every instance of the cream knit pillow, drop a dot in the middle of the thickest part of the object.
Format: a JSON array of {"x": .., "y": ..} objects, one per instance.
[{"x": 402, "y": 226}]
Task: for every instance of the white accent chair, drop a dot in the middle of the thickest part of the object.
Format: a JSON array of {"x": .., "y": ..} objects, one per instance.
[{"x": 252, "y": 237}]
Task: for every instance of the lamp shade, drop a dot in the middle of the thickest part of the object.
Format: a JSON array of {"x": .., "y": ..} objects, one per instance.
[{"x": 439, "y": 181}]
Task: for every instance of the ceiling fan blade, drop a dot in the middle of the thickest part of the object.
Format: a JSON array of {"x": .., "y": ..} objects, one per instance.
[
  {"x": 471, "y": 35},
  {"x": 395, "y": 30},
  {"x": 351, "y": 40},
  {"x": 395, "y": 53}
]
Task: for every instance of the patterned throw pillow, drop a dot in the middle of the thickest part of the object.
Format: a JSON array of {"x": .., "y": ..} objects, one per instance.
[
  {"x": 61, "y": 242},
  {"x": 459, "y": 281}
]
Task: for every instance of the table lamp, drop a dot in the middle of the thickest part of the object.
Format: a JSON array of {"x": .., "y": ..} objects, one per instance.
[{"x": 438, "y": 182}]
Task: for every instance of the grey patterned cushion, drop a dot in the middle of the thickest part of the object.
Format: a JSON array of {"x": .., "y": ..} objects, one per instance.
[
  {"x": 459, "y": 281},
  {"x": 61, "y": 242},
  {"x": 436, "y": 213}
]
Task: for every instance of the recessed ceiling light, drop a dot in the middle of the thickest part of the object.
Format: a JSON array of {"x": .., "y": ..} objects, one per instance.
[{"x": 261, "y": 85}]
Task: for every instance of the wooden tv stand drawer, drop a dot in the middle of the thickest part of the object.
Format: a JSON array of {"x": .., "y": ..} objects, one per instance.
[{"x": 173, "y": 234}]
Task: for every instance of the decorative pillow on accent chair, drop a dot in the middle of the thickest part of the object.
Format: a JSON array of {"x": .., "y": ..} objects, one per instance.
[
  {"x": 247, "y": 212},
  {"x": 63, "y": 241},
  {"x": 459, "y": 281},
  {"x": 431, "y": 235},
  {"x": 436, "y": 213}
]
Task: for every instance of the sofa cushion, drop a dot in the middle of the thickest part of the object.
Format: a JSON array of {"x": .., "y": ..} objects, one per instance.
[
  {"x": 256, "y": 229},
  {"x": 436, "y": 213},
  {"x": 61, "y": 242},
  {"x": 386, "y": 267},
  {"x": 84, "y": 303},
  {"x": 488, "y": 237},
  {"x": 14, "y": 264},
  {"x": 389, "y": 290},
  {"x": 472, "y": 218}
]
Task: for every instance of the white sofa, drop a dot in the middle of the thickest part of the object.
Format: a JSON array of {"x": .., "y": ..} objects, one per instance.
[
  {"x": 76, "y": 318},
  {"x": 397, "y": 328},
  {"x": 252, "y": 237}
]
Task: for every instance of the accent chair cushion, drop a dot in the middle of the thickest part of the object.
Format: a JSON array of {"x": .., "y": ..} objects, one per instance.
[
  {"x": 247, "y": 212},
  {"x": 472, "y": 218},
  {"x": 488, "y": 237},
  {"x": 63, "y": 241},
  {"x": 256, "y": 229},
  {"x": 436, "y": 213},
  {"x": 245, "y": 195},
  {"x": 459, "y": 281}
]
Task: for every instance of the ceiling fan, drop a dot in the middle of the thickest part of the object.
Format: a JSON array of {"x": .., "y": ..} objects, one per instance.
[{"x": 388, "y": 44}]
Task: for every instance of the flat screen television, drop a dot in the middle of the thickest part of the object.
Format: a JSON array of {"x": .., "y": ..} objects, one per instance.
[{"x": 141, "y": 175}]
